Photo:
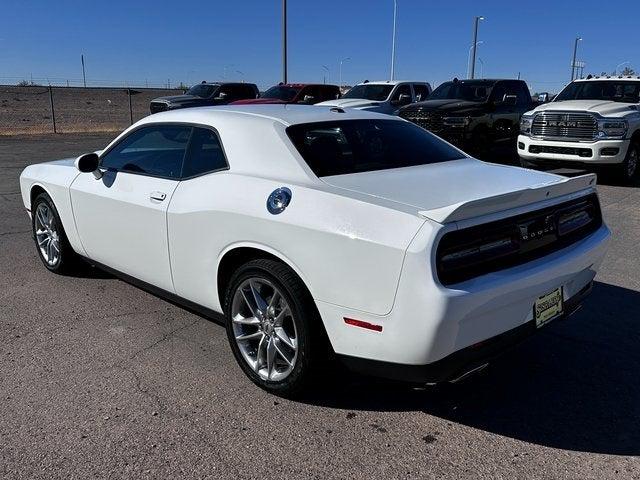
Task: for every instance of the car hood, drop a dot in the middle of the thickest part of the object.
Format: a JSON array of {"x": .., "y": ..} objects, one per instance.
[
  {"x": 604, "y": 108},
  {"x": 350, "y": 103},
  {"x": 258, "y": 101},
  {"x": 179, "y": 99},
  {"x": 460, "y": 189},
  {"x": 445, "y": 105}
]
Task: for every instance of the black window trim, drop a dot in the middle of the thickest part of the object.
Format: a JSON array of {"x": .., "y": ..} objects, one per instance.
[{"x": 180, "y": 178}]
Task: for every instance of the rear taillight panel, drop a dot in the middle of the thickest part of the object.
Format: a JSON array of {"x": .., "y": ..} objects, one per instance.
[{"x": 475, "y": 251}]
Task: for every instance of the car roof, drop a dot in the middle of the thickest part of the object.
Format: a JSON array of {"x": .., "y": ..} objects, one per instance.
[
  {"x": 390, "y": 82},
  {"x": 300, "y": 85},
  {"x": 285, "y": 114},
  {"x": 608, "y": 77}
]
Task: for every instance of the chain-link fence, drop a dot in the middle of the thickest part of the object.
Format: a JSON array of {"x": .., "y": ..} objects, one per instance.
[{"x": 36, "y": 109}]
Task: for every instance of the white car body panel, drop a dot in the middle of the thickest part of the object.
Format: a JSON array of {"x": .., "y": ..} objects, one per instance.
[
  {"x": 117, "y": 211},
  {"x": 363, "y": 244}
]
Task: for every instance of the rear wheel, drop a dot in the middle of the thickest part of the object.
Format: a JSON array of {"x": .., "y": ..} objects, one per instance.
[
  {"x": 51, "y": 240},
  {"x": 273, "y": 327}
]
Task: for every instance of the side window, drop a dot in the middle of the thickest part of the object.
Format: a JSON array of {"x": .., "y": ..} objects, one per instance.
[
  {"x": 247, "y": 91},
  {"x": 498, "y": 93},
  {"x": 311, "y": 91},
  {"x": 401, "y": 90},
  {"x": 154, "y": 150},
  {"x": 204, "y": 155},
  {"x": 421, "y": 91},
  {"x": 524, "y": 97},
  {"x": 329, "y": 93}
]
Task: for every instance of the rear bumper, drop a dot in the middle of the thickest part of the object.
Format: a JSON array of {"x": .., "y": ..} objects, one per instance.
[
  {"x": 602, "y": 152},
  {"x": 462, "y": 362}
]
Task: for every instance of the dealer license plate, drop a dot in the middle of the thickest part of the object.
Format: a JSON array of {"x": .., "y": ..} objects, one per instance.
[{"x": 548, "y": 307}]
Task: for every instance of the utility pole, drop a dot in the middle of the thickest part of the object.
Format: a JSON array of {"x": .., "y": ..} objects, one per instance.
[
  {"x": 324, "y": 78},
  {"x": 573, "y": 62},
  {"x": 84, "y": 77},
  {"x": 284, "y": 41},
  {"x": 393, "y": 41},
  {"x": 340, "y": 71},
  {"x": 474, "y": 45}
]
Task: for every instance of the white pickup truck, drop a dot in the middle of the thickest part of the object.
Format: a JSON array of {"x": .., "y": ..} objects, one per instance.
[{"x": 592, "y": 122}]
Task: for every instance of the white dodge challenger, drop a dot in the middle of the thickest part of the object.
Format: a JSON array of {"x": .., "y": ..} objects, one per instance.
[{"x": 321, "y": 231}]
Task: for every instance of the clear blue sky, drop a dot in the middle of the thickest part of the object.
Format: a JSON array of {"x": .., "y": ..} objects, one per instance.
[{"x": 133, "y": 41}]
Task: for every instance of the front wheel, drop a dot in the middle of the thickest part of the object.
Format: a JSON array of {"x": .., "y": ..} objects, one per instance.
[
  {"x": 52, "y": 244},
  {"x": 273, "y": 327},
  {"x": 628, "y": 170}
]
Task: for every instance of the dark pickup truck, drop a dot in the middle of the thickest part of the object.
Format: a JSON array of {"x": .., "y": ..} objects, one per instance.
[
  {"x": 205, "y": 94},
  {"x": 474, "y": 115}
]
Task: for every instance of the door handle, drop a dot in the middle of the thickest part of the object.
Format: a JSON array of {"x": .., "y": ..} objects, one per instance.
[{"x": 159, "y": 196}]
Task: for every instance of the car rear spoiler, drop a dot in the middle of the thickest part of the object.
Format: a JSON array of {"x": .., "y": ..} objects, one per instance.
[{"x": 507, "y": 201}]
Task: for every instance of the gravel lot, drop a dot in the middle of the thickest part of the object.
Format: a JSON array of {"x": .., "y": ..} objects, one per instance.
[{"x": 99, "y": 379}]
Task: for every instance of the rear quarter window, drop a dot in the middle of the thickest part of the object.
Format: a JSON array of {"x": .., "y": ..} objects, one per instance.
[{"x": 353, "y": 146}]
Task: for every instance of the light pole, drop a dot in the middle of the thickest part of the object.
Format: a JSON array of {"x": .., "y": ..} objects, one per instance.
[
  {"x": 475, "y": 44},
  {"x": 324, "y": 80},
  {"x": 615, "y": 72},
  {"x": 469, "y": 56},
  {"x": 340, "y": 74},
  {"x": 84, "y": 77},
  {"x": 393, "y": 40},
  {"x": 284, "y": 41},
  {"x": 575, "y": 52}
]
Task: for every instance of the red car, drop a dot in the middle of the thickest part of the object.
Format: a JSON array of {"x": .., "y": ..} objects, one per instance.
[{"x": 295, "y": 93}]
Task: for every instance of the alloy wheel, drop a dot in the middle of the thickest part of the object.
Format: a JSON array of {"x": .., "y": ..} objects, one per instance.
[
  {"x": 47, "y": 234},
  {"x": 264, "y": 329},
  {"x": 632, "y": 163}
]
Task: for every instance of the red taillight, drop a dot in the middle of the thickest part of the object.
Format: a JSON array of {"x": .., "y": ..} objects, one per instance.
[{"x": 363, "y": 324}]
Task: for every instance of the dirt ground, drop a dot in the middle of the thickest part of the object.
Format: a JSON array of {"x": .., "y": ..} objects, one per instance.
[{"x": 27, "y": 110}]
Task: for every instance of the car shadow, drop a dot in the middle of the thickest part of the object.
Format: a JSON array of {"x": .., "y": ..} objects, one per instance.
[{"x": 573, "y": 386}]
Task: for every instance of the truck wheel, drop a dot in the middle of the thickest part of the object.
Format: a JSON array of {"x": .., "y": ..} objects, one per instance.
[{"x": 628, "y": 170}]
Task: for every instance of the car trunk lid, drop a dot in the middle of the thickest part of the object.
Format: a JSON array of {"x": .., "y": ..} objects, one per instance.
[{"x": 461, "y": 189}]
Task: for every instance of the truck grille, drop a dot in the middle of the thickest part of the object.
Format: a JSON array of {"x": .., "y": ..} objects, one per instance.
[
  {"x": 581, "y": 126},
  {"x": 428, "y": 120}
]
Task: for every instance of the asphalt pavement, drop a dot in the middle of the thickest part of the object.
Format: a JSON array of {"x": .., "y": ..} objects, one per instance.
[{"x": 99, "y": 379}]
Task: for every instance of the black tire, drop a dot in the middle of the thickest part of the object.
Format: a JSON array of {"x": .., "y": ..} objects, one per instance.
[
  {"x": 629, "y": 170},
  {"x": 311, "y": 337},
  {"x": 69, "y": 261}
]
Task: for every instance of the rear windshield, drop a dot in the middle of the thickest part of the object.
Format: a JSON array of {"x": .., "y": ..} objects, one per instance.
[{"x": 353, "y": 146}]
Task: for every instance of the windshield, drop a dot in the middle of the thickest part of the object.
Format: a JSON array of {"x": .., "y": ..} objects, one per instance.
[
  {"x": 606, "y": 90},
  {"x": 353, "y": 146},
  {"x": 369, "y": 92},
  {"x": 473, "y": 91},
  {"x": 202, "y": 90},
  {"x": 281, "y": 92}
]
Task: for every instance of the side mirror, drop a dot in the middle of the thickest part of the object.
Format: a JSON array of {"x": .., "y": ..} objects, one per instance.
[
  {"x": 88, "y": 163},
  {"x": 543, "y": 97},
  {"x": 510, "y": 100}
]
